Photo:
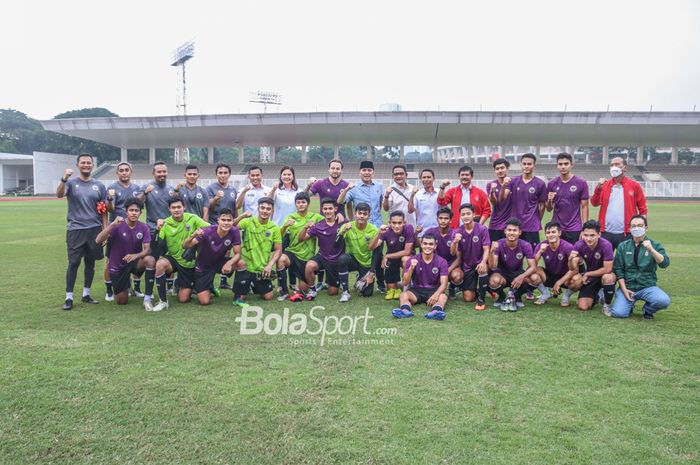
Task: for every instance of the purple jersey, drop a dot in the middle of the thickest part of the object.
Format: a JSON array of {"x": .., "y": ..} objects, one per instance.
[
  {"x": 427, "y": 275},
  {"x": 471, "y": 246},
  {"x": 556, "y": 262},
  {"x": 501, "y": 211},
  {"x": 567, "y": 202},
  {"x": 526, "y": 202},
  {"x": 328, "y": 247},
  {"x": 397, "y": 242},
  {"x": 125, "y": 241},
  {"x": 511, "y": 260},
  {"x": 443, "y": 242},
  {"x": 594, "y": 258},
  {"x": 325, "y": 188},
  {"x": 213, "y": 248}
]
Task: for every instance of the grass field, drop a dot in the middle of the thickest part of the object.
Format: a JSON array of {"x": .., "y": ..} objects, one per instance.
[{"x": 103, "y": 384}]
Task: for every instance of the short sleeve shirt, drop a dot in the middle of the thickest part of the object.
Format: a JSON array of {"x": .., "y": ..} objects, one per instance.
[
  {"x": 125, "y": 241},
  {"x": 556, "y": 262},
  {"x": 399, "y": 202},
  {"x": 195, "y": 199},
  {"x": 567, "y": 202},
  {"x": 471, "y": 246},
  {"x": 526, "y": 202},
  {"x": 444, "y": 243},
  {"x": 371, "y": 194},
  {"x": 250, "y": 201},
  {"x": 426, "y": 206},
  {"x": 501, "y": 211},
  {"x": 258, "y": 240},
  {"x": 228, "y": 201},
  {"x": 427, "y": 275},
  {"x": 326, "y": 189},
  {"x": 285, "y": 204},
  {"x": 357, "y": 242},
  {"x": 157, "y": 203},
  {"x": 397, "y": 242},
  {"x": 328, "y": 246},
  {"x": 213, "y": 248},
  {"x": 82, "y": 203},
  {"x": 594, "y": 258},
  {"x": 175, "y": 232},
  {"x": 121, "y": 195},
  {"x": 306, "y": 249},
  {"x": 511, "y": 260}
]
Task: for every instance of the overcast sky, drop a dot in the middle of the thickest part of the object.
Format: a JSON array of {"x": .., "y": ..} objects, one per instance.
[{"x": 351, "y": 55}]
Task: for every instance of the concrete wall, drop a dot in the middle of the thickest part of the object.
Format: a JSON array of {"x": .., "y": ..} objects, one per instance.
[
  {"x": 48, "y": 169},
  {"x": 15, "y": 176}
]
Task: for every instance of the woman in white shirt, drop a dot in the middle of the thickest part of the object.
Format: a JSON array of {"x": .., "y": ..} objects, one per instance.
[{"x": 283, "y": 192}]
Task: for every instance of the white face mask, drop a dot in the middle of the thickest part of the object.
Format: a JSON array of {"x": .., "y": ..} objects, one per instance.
[
  {"x": 615, "y": 171},
  {"x": 638, "y": 232}
]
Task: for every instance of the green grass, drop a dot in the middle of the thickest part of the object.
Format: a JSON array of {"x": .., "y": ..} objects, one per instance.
[{"x": 103, "y": 384}]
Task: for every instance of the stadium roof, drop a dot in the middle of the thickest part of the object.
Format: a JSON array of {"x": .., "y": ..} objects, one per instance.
[{"x": 390, "y": 128}]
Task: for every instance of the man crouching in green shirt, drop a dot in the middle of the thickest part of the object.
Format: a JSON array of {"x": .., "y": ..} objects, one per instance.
[
  {"x": 358, "y": 255},
  {"x": 635, "y": 266},
  {"x": 257, "y": 268},
  {"x": 172, "y": 232}
]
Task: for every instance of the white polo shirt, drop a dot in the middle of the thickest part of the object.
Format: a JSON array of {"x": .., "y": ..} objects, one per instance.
[
  {"x": 398, "y": 202},
  {"x": 426, "y": 205}
]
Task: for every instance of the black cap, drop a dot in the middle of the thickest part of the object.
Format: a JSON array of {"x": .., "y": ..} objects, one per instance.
[{"x": 366, "y": 164}]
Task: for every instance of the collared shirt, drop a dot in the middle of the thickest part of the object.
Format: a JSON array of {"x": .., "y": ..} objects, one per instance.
[
  {"x": 400, "y": 202},
  {"x": 426, "y": 206},
  {"x": 615, "y": 214},
  {"x": 373, "y": 195},
  {"x": 285, "y": 204},
  {"x": 82, "y": 203},
  {"x": 466, "y": 198},
  {"x": 157, "y": 203},
  {"x": 196, "y": 200},
  {"x": 121, "y": 195},
  {"x": 228, "y": 201},
  {"x": 250, "y": 202}
]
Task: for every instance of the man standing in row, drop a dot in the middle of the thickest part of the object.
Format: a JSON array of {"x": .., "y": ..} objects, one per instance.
[
  {"x": 424, "y": 202},
  {"x": 466, "y": 192},
  {"x": 222, "y": 196},
  {"x": 195, "y": 197},
  {"x": 252, "y": 192},
  {"x": 567, "y": 197},
  {"x": 529, "y": 197},
  {"x": 84, "y": 224},
  {"x": 398, "y": 196},
  {"x": 499, "y": 191}
]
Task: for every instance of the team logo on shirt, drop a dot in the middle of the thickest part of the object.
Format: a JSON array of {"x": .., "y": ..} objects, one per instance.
[
  {"x": 227, "y": 242},
  {"x": 329, "y": 190},
  {"x": 449, "y": 243},
  {"x": 560, "y": 257},
  {"x": 519, "y": 256},
  {"x": 597, "y": 255},
  {"x": 94, "y": 187},
  {"x": 573, "y": 188},
  {"x": 199, "y": 195},
  {"x": 402, "y": 239},
  {"x": 170, "y": 192},
  {"x": 232, "y": 195},
  {"x": 475, "y": 239},
  {"x": 139, "y": 235},
  {"x": 267, "y": 233},
  {"x": 123, "y": 234},
  {"x": 531, "y": 190},
  {"x": 367, "y": 238},
  {"x": 435, "y": 270},
  {"x": 187, "y": 227}
]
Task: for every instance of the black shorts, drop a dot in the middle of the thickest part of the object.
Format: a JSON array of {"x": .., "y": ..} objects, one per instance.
[
  {"x": 496, "y": 234},
  {"x": 509, "y": 277},
  {"x": 422, "y": 294},
  {"x": 247, "y": 281},
  {"x": 122, "y": 282},
  {"x": 185, "y": 276},
  {"x": 590, "y": 290},
  {"x": 551, "y": 279},
  {"x": 471, "y": 280},
  {"x": 570, "y": 236},
  {"x": 531, "y": 237},
  {"x": 615, "y": 238},
  {"x": 204, "y": 280},
  {"x": 81, "y": 243},
  {"x": 331, "y": 269},
  {"x": 296, "y": 266},
  {"x": 392, "y": 274}
]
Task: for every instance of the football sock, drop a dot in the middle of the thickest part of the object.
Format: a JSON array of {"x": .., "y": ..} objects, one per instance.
[
  {"x": 137, "y": 284},
  {"x": 150, "y": 278},
  {"x": 69, "y": 295},
  {"x": 500, "y": 293},
  {"x": 224, "y": 281},
  {"x": 437, "y": 308},
  {"x": 160, "y": 284},
  {"x": 483, "y": 287},
  {"x": 608, "y": 293},
  {"x": 108, "y": 287},
  {"x": 282, "y": 281},
  {"x": 86, "y": 291},
  {"x": 344, "y": 280},
  {"x": 406, "y": 307}
]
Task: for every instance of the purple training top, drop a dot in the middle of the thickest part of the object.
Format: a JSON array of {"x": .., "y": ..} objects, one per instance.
[
  {"x": 397, "y": 242},
  {"x": 567, "y": 202},
  {"x": 443, "y": 242},
  {"x": 326, "y": 235},
  {"x": 501, "y": 212},
  {"x": 511, "y": 260},
  {"x": 472, "y": 245},
  {"x": 213, "y": 248},
  {"x": 556, "y": 262},
  {"x": 427, "y": 275},
  {"x": 526, "y": 201},
  {"x": 594, "y": 258},
  {"x": 325, "y": 188},
  {"x": 124, "y": 241}
]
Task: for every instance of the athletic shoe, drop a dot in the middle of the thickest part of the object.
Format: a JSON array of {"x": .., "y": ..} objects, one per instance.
[
  {"x": 606, "y": 310},
  {"x": 89, "y": 300},
  {"x": 435, "y": 315},
  {"x": 381, "y": 287},
  {"x": 172, "y": 291},
  {"x": 296, "y": 297},
  {"x": 518, "y": 304},
  {"x": 241, "y": 303},
  {"x": 162, "y": 305},
  {"x": 225, "y": 286},
  {"x": 215, "y": 292},
  {"x": 282, "y": 297},
  {"x": 361, "y": 284},
  {"x": 148, "y": 305},
  {"x": 648, "y": 316},
  {"x": 68, "y": 304},
  {"x": 499, "y": 304},
  {"x": 345, "y": 297},
  {"x": 397, "y": 293},
  {"x": 601, "y": 297},
  {"x": 529, "y": 295},
  {"x": 565, "y": 296},
  {"x": 138, "y": 294},
  {"x": 400, "y": 313},
  {"x": 480, "y": 306},
  {"x": 109, "y": 297},
  {"x": 320, "y": 286},
  {"x": 311, "y": 295}
]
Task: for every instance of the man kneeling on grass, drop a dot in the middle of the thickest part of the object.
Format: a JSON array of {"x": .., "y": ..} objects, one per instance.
[
  {"x": 398, "y": 237},
  {"x": 425, "y": 274},
  {"x": 215, "y": 244},
  {"x": 507, "y": 264},
  {"x": 555, "y": 273},
  {"x": 262, "y": 247},
  {"x": 129, "y": 252}
]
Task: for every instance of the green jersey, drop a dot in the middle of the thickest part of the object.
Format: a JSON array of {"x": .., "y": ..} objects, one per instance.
[
  {"x": 175, "y": 232},
  {"x": 357, "y": 242},
  {"x": 258, "y": 240},
  {"x": 306, "y": 249}
]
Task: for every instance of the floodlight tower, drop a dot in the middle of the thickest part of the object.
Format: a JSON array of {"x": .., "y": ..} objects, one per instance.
[
  {"x": 181, "y": 55},
  {"x": 266, "y": 98}
]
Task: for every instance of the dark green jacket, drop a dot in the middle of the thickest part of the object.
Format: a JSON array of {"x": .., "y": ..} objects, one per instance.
[{"x": 642, "y": 274}]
